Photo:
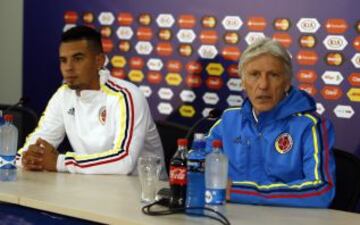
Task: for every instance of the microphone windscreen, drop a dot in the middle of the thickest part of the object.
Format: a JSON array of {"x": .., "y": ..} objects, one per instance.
[{"x": 215, "y": 113}]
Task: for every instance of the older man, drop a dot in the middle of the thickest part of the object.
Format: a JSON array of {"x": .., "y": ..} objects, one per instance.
[{"x": 279, "y": 150}]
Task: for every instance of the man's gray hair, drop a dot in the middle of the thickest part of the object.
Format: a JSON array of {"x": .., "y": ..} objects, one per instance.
[{"x": 266, "y": 46}]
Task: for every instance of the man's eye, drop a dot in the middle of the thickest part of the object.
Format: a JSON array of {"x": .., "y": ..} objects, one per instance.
[{"x": 78, "y": 59}]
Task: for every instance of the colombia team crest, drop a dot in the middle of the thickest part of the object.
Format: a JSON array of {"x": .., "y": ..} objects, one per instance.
[
  {"x": 284, "y": 143},
  {"x": 102, "y": 115}
]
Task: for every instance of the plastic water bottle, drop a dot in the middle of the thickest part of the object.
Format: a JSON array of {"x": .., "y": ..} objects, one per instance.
[
  {"x": 195, "y": 191},
  {"x": 8, "y": 148},
  {"x": 216, "y": 175},
  {"x": 177, "y": 176}
]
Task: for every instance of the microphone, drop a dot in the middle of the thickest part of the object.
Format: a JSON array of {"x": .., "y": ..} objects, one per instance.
[
  {"x": 213, "y": 115},
  {"x": 21, "y": 102}
]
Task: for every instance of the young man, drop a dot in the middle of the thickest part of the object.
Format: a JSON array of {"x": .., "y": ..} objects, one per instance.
[{"x": 107, "y": 120}]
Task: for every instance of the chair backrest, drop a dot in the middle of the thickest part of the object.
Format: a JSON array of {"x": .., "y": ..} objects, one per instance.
[
  {"x": 169, "y": 133},
  {"x": 347, "y": 193},
  {"x": 25, "y": 119}
]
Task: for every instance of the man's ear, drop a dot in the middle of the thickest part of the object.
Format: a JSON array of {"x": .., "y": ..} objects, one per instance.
[{"x": 100, "y": 60}]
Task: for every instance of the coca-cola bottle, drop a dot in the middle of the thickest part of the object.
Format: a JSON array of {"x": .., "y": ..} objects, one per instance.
[{"x": 178, "y": 175}]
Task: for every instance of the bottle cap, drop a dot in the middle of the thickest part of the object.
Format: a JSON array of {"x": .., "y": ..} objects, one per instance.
[
  {"x": 182, "y": 142},
  {"x": 8, "y": 117},
  {"x": 217, "y": 143}
]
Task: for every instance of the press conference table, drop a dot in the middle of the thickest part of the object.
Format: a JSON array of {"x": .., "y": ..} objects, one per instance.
[{"x": 114, "y": 199}]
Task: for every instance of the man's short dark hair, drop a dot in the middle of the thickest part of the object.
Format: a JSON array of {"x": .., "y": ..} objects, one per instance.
[{"x": 79, "y": 33}]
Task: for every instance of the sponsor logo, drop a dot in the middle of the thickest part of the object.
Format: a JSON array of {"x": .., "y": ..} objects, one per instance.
[
  {"x": 165, "y": 34},
  {"x": 193, "y": 67},
  {"x": 186, "y": 36},
  {"x": 136, "y": 63},
  {"x": 357, "y": 26},
  {"x": 185, "y": 50},
  {"x": 307, "y": 41},
  {"x": 354, "y": 94},
  {"x": 214, "y": 83},
  {"x": 284, "y": 143},
  {"x": 231, "y": 38},
  {"x": 174, "y": 66},
  {"x": 118, "y": 72},
  {"x": 284, "y": 38},
  {"x": 118, "y": 61},
  {"x": 320, "y": 108},
  {"x": 256, "y": 23},
  {"x": 309, "y": 88},
  {"x": 356, "y": 43},
  {"x": 193, "y": 81},
  {"x": 336, "y": 26},
  {"x": 306, "y": 76},
  {"x": 106, "y": 18},
  {"x": 165, "y": 108},
  {"x": 356, "y": 60},
  {"x": 146, "y": 90},
  {"x": 165, "y": 93},
  {"x": 71, "y": 111},
  {"x": 334, "y": 59},
  {"x": 331, "y": 93},
  {"x": 124, "y": 46},
  {"x": 208, "y": 21},
  {"x": 215, "y": 69},
  {"x": 335, "y": 42},
  {"x": 332, "y": 77},
  {"x": 206, "y": 111},
  {"x": 144, "y": 33},
  {"x": 165, "y": 20},
  {"x": 231, "y": 53},
  {"x": 306, "y": 57},
  {"x": 154, "y": 64},
  {"x": 105, "y": 31},
  {"x": 308, "y": 25},
  {"x": 136, "y": 76},
  {"x": 145, "y": 19},
  {"x": 187, "y": 96},
  {"x": 164, "y": 49},
  {"x": 344, "y": 111},
  {"x": 124, "y": 19},
  {"x": 210, "y": 98},
  {"x": 208, "y": 37},
  {"x": 154, "y": 77},
  {"x": 186, "y": 21},
  {"x": 88, "y": 17},
  {"x": 107, "y": 45},
  {"x": 124, "y": 33},
  {"x": 173, "y": 79},
  {"x": 282, "y": 24},
  {"x": 187, "y": 111},
  {"x": 143, "y": 48},
  {"x": 354, "y": 79},
  {"x": 234, "y": 100},
  {"x": 232, "y": 23},
  {"x": 251, "y": 37},
  {"x": 177, "y": 175},
  {"x": 207, "y": 51},
  {"x": 71, "y": 17},
  {"x": 102, "y": 115},
  {"x": 234, "y": 84},
  {"x": 233, "y": 70}
]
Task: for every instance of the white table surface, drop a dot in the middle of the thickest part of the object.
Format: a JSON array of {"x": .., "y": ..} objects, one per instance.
[{"x": 114, "y": 199}]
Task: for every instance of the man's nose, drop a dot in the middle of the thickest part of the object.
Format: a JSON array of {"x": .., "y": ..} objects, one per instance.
[{"x": 263, "y": 81}]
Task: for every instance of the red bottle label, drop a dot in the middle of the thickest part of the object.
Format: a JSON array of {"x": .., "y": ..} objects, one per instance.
[{"x": 177, "y": 175}]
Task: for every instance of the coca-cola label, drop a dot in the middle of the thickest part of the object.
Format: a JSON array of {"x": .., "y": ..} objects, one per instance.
[{"x": 177, "y": 175}]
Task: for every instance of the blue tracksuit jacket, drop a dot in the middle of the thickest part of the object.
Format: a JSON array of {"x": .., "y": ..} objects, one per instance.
[{"x": 283, "y": 159}]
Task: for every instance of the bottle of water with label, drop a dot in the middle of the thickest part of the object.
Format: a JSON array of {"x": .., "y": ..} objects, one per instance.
[
  {"x": 216, "y": 176},
  {"x": 8, "y": 149},
  {"x": 195, "y": 191}
]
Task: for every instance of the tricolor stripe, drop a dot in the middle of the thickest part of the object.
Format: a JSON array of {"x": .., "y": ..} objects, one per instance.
[{"x": 123, "y": 141}]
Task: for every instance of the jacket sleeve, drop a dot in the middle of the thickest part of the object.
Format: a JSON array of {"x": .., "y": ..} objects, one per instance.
[
  {"x": 316, "y": 189},
  {"x": 51, "y": 124},
  {"x": 133, "y": 120}
]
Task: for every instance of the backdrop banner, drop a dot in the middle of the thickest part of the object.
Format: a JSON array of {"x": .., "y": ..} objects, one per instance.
[{"x": 183, "y": 54}]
